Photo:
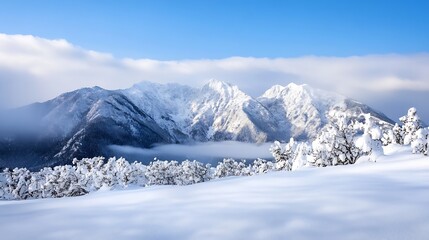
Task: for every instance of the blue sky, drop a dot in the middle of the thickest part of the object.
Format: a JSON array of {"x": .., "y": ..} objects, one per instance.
[
  {"x": 375, "y": 51},
  {"x": 211, "y": 29}
]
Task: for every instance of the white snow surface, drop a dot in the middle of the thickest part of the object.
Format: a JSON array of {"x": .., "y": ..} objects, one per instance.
[{"x": 383, "y": 200}]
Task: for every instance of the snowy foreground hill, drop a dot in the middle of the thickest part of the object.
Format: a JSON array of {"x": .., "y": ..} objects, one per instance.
[{"x": 383, "y": 200}]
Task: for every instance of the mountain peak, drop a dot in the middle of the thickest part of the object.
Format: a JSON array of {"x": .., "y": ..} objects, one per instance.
[
  {"x": 217, "y": 85},
  {"x": 273, "y": 92},
  {"x": 224, "y": 89},
  {"x": 298, "y": 87},
  {"x": 143, "y": 85},
  {"x": 279, "y": 90}
]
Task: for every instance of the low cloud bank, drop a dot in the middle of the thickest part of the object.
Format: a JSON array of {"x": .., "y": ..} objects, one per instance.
[
  {"x": 37, "y": 69},
  {"x": 209, "y": 152}
]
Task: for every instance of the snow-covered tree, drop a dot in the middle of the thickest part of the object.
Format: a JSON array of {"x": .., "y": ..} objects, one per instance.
[
  {"x": 370, "y": 141},
  {"x": 420, "y": 143},
  {"x": 5, "y": 189},
  {"x": 344, "y": 148},
  {"x": 302, "y": 154},
  {"x": 284, "y": 156},
  {"x": 18, "y": 182},
  {"x": 36, "y": 184},
  {"x": 322, "y": 146},
  {"x": 411, "y": 123},
  {"x": 123, "y": 172},
  {"x": 60, "y": 181},
  {"x": 162, "y": 172},
  {"x": 398, "y": 133},
  {"x": 90, "y": 173},
  {"x": 192, "y": 172},
  {"x": 137, "y": 174},
  {"x": 388, "y": 137},
  {"x": 335, "y": 145},
  {"x": 230, "y": 167},
  {"x": 261, "y": 166}
]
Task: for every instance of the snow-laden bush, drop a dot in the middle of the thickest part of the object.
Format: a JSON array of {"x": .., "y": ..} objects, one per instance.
[
  {"x": 61, "y": 181},
  {"x": 229, "y": 167},
  {"x": 85, "y": 175},
  {"x": 192, "y": 172},
  {"x": 162, "y": 172},
  {"x": 261, "y": 166},
  {"x": 322, "y": 147},
  {"x": 172, "y": 173},
  {"x": 285, "y": 155},
  {"x": 335, "y": 144},
  {"x": 344, "y": 148},
  {"x": 303, "y": 155},
  {"x": 370, "y": 142},
  {"x": 421, "y": 142},
  {"x": 398, "y": 133},
  {"x": 94, "y": 173},
  {"x": 411, "y": 123},
  {"x": 17, "y": 183},
  {"x": 388, "y": 137}
]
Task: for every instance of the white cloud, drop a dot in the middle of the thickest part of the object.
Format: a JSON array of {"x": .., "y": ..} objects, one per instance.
[
  {"x": 208, "y": 152},
  {"x": 37, "y": 69}
]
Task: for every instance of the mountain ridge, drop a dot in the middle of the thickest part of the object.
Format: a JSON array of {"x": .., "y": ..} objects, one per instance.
[{"x": 84, "y": 122}]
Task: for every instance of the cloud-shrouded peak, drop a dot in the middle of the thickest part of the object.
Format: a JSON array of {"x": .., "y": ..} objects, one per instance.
[
  {"x": 273, "y": 92},
  {"x": 217, "y": 84},
  {"x": 293, "y": 85},
  {"x": 223, "y": 89},
  {"x": 36, "y": 69},
  {"x": 295, "y": 91}
]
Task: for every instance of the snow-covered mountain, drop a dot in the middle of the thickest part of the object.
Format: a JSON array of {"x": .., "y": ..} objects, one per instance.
[
  {"x": 303, "y": 111},
  {"x": 83, "y": 123},
  {"x": 75, "y": 125},
  {"x": 217, "y": 111}
]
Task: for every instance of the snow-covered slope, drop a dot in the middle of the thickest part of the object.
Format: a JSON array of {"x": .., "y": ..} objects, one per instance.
[
  {"x": 80, "y": 124},
  {"x": 223, "y": 112},
  {"x": 168, "y": 104},
  {"x": 217, "y": 111},
  {"x": 383, "y": 200},
  {"x": 304, "y": 110}
]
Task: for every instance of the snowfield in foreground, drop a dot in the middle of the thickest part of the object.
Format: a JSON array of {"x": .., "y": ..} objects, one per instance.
[{"x": 384, "y": 200}]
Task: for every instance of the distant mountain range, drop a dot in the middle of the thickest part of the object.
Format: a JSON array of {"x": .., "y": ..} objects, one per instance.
[{"x": 85, "y": 122}]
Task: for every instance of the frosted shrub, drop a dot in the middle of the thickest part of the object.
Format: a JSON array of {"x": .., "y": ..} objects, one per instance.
[
  {"x": 90, "y": 174},
  {"x": 162, "y": 172},
  {"x": 192, "y": 172},
  {"x": 18, "y": 183},
  {"x": 344, "y": 148},
  {"x": 283, "y": 156},
  {"x": 421, "y": 141},
  {"x": 303, "y": 154},
  {"x": 4, "y": 188},
  {"x": 230, "y": 167},
  {"x": 61, "y": 181},
  {"x": 398, "y": 134},
  {"x": 335, "y": 144},
  {"x": 136, "y": 174},
  {"x": 322, "y": 148},
  {"x": 261, "y": 166},
  {"x": 86, "y": 175},
  {"x": 388, "y": 137},
  {"x": 370, "y": 141},
  {"x": 411, "y": 123}
]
